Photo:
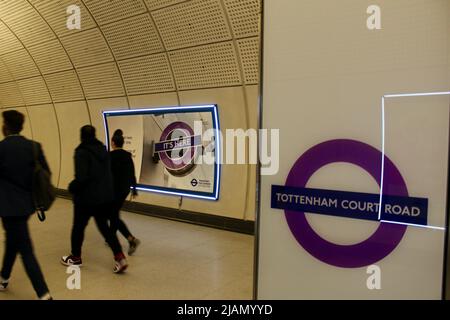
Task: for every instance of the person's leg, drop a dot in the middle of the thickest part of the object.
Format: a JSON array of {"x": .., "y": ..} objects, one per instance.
[
  {"x": 113, "y": 215},
  {"x": 81, "y": 218},
  {"x": 121, "y": 226},
  {"x": 29, "y": 259},
  {"x": 11, "y": 247},
  {"x": 101, "y": 217},
  {"x": 132, "y": 241}
]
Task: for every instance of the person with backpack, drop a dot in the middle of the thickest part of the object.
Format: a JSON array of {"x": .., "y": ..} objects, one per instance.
[
  {"x": 18, "y": 157},
  {"x": 122, "y": 167},
  {"x": 93, "y": 192}
]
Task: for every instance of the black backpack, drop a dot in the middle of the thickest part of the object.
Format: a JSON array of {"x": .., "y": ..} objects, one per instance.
[{"x": 43, "y": 191}]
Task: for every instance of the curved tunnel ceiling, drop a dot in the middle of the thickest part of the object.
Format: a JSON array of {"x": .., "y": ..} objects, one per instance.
[{"x": 124, "y": 48}]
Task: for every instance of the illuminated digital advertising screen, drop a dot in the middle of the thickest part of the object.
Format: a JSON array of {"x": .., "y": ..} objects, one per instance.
[{"x": 176, "y": 150}]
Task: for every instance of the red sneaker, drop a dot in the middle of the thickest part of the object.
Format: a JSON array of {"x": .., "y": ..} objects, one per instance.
[
  {"x": 120, "y": 263},
  {"x": 71, "y": 261}
]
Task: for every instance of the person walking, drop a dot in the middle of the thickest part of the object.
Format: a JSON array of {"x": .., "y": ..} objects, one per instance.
[
  {"x": 124, "y": 177},
  {"x": 17, "y": 160},
  {"x": 93, "y": 192}
]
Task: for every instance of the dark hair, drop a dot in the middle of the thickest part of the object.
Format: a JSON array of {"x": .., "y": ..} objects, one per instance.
[
  {"x": 13, "y": 121},
  {"x": 118, "y": 138},
  {"x": 87, "y": 133}
]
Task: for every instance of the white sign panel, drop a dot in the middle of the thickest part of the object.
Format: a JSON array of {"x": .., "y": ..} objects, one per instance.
[{"x": 361, "y": 95}]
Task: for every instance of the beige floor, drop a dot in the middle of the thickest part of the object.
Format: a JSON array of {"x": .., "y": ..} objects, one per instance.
[{"x": 175, "y": 261}]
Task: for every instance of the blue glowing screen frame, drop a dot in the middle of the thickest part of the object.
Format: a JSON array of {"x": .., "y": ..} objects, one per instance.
[{"x": 214, "y": 195}]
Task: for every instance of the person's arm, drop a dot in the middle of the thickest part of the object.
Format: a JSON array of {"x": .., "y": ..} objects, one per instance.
[
  {"x": 42, "y": 160},
  {"x": 81, "y": 171},
  {"x": 133, "y": 176},
  {"x": 2, "y": 153}
]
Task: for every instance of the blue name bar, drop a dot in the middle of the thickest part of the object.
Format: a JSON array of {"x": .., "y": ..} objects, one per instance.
[
  {"x": 354, "y": 205},
  {"x": 177, "y": 144}
]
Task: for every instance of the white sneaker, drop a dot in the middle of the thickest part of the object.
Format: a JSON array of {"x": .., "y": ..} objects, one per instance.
[
  {"x": 120, "y": 265},
  {"x": 3, "y": 284},
  {"x": 46, "y": 296}
]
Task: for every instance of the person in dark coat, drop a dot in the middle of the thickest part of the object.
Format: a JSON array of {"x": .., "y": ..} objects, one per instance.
[
  {"x": 122, "y": 167},
  {"x": 17, "y": 160},
  {"x": 93, "y": 192}
]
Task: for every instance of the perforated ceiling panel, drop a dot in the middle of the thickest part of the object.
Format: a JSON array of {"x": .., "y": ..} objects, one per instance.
[
  {"x": 133, "y": 37},
  {"x": 87, "y": 48},
  {"x": 34, "y": 91},
  {"x": 8, "y": 40},
  {"x": 101, "y": 81},
  {"x": 249, "y": 53},
  {"x": 5, "y": 75},
  {"x": 10, "y": 95},
  {"x": 50, "y": 57},
  {"x": 64, "y": 86},
  {"x": 244, "y": 17},
  {"x": 55, "y": 13},
  {"x": 158, "y": 4},
  {"x": 192, "y": 23},
  {"x": 205, "y": 67},
  {"x": 148, "y": 39},
  {"x": 148, "y": 74},
  {"x": 25, "y": 22},
  {"x": 113, "y": 10},
  {"x": 20, "y": 64}
]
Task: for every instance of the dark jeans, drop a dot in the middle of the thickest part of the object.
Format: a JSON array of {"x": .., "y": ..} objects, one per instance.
[
  {"x": 82, "y": 215},
  {"x": 18, "y": 241},
  {"x": 116, "y": 222}
]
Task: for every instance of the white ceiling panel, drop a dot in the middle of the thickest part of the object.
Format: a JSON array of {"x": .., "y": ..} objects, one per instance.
[
  {"x": 148, "y": 74},
  {"x": 112, "y": 10},
  {"x": 87, "y": 48},
  {"x": 206, "y": 67},
  {"x": 50, "y": 57},
  {"x": 249, "y": 54},
  {"x": 55, "y": 13},
  {"x": 244, "y": 16},
  {"x": 10, "y": 95},
  {"x": 158, "y": 4},
  {"x": 20, "y": 64},
  {"x": 192, "y": 23},
  {"x": 5, "y": 75},
  {"x": 34, "y": 91},
  {"x": 8, "y": 40},
  {"x": 64, "y": 86},
  {"x": 25, "y": 21},
  {"x": 133, "y": 37},
  {"x": 101, "y": 81}
]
